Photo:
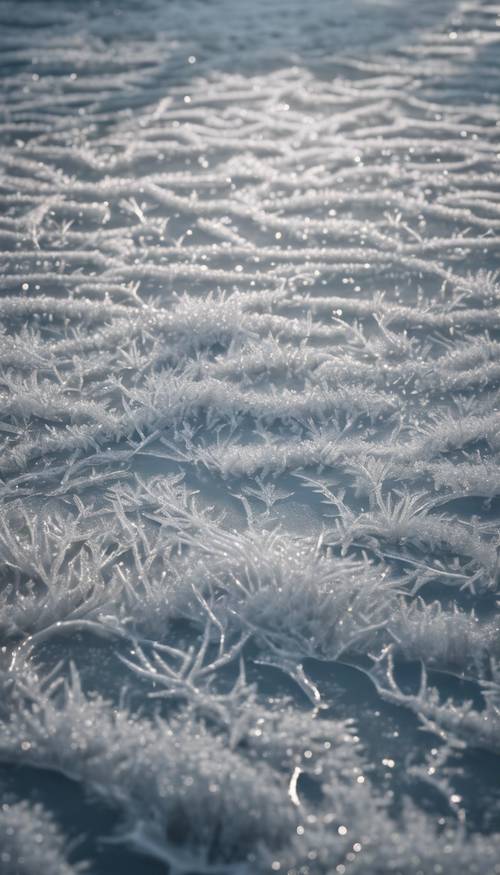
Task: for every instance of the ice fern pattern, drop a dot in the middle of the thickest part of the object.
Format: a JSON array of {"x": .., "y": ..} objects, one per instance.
[{"x": 250, "y": 437}]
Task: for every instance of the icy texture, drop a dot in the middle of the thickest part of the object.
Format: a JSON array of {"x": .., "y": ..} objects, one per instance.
[
  {"x": 250, "y": 437},
  {"x": 31, "y": 842}
]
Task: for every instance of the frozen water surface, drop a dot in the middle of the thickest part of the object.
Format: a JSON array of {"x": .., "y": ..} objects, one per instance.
[{"x": 249, "y": 437}]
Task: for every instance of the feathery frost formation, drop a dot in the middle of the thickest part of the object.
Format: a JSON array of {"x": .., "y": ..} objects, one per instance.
[{"x": 250, "y": 437}]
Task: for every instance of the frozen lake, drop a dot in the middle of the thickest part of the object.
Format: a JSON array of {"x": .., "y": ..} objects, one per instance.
[{"x": 249, "y": 437}]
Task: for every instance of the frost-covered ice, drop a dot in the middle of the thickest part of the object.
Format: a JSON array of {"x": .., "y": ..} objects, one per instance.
[{"x": 250, "y": 437}]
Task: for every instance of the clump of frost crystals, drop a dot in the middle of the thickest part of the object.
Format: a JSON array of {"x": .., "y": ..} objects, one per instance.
[{"x": 31, "y": 842}]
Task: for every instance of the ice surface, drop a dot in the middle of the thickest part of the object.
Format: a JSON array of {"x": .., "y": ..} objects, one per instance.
[{"x": 249, "y": 437}]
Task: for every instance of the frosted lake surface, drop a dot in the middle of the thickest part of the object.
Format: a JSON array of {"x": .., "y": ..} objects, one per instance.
[{"x": 249, "y": 437}]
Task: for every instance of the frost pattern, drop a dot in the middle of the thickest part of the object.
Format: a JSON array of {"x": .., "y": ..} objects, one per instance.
[
  {"x": 31, "y": 842},
  {"x": 250, "y": 434}
]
